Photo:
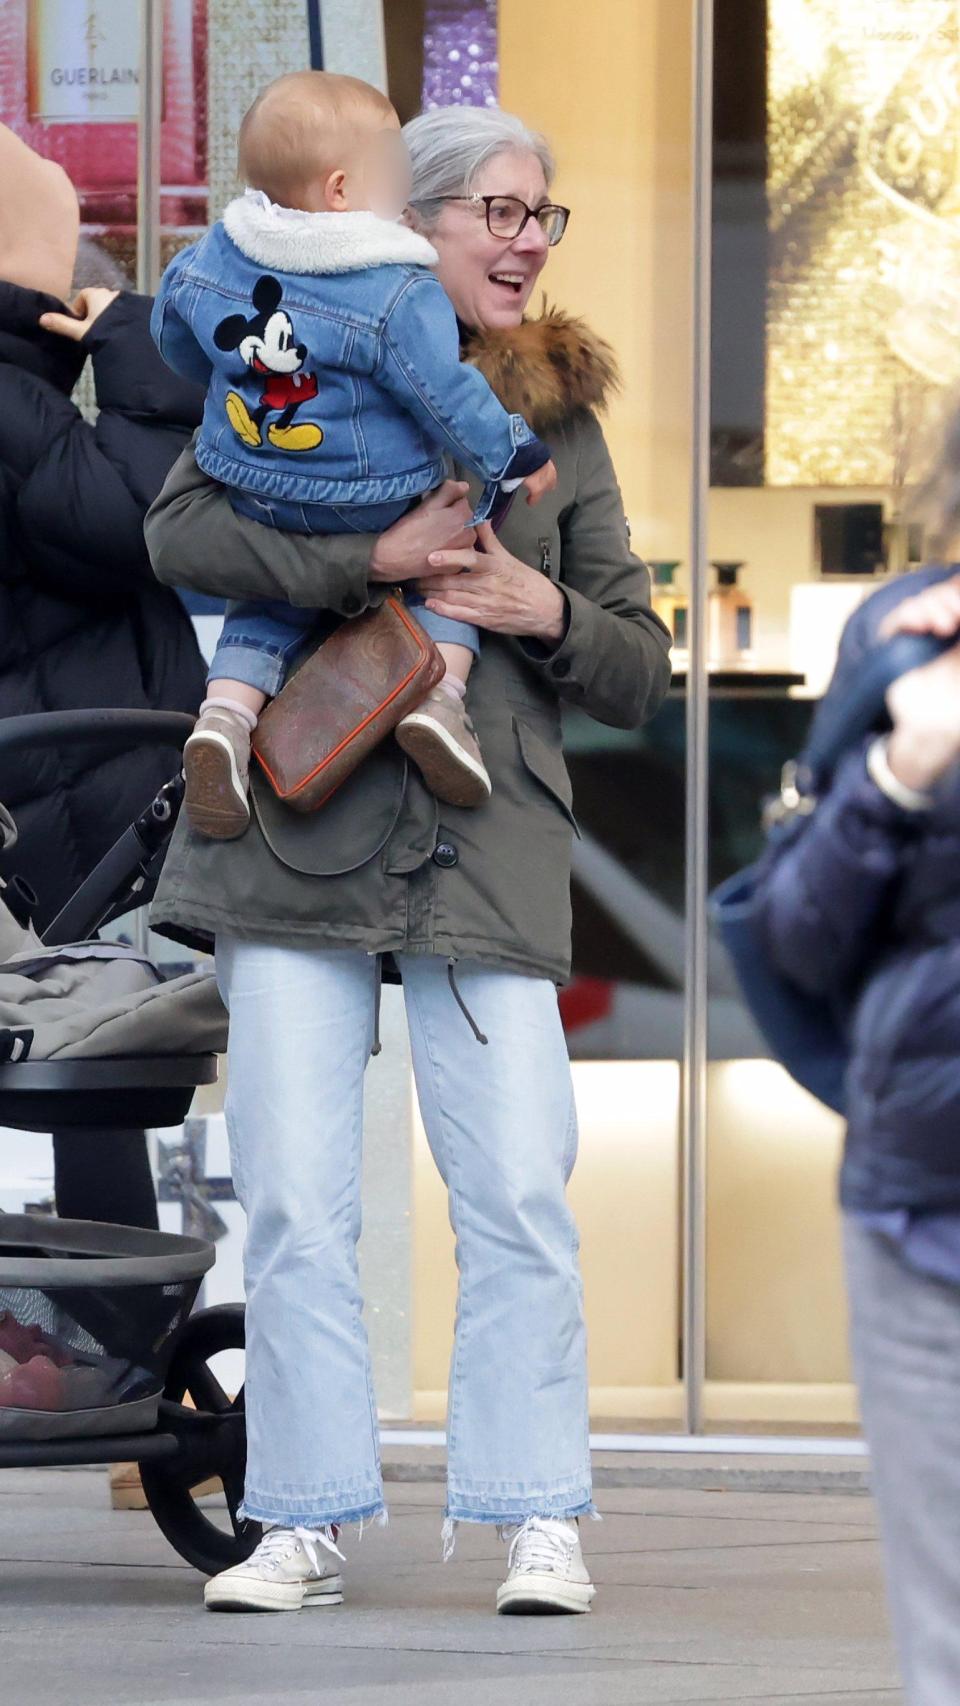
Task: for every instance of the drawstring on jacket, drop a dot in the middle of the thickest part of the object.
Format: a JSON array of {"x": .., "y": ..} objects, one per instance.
[{"x": 458, "y": 998}]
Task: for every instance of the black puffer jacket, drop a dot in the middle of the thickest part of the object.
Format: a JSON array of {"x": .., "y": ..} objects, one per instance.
[{"x": 82, "y": 620}]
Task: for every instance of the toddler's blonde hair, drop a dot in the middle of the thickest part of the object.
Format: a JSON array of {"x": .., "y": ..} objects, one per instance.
[{"x": 302, "y": 126}]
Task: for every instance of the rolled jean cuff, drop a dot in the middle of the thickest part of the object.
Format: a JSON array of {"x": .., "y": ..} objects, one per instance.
[
  {"x": 443, "y": 630},
  {"x": 288, "y": 1513},
  {"x": 255, "y": 668}
]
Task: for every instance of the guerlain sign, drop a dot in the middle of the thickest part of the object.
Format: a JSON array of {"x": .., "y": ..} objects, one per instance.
[{"x": 82, "y": 58}]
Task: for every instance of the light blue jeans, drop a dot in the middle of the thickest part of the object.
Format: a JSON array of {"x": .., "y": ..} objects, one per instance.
[
  {"x": 261, "y": 638},
  {"x": 501, "y": 1125}
]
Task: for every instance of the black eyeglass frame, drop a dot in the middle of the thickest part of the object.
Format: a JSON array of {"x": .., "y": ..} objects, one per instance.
[{"x": 536, "y": 213}]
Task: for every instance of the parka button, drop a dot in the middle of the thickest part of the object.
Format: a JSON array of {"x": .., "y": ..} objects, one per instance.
[
  {"x": 446, "y": 855},
  {"x": 561, "y": 667}
]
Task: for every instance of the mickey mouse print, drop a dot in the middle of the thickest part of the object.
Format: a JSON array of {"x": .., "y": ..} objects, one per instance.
[{"x": 266, "y": 343}]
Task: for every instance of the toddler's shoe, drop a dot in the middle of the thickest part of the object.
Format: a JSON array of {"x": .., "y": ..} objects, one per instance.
[
  {"x": 439, "y": 737},
  {"x": 286, "y": 1572},
  {"x": 216, "y": 765}
]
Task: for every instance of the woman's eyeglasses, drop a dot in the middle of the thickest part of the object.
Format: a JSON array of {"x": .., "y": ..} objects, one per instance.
[{"x": 506, "y": 215}]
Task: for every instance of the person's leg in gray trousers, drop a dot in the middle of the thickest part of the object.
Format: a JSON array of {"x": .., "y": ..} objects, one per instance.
[{"x": 905, "y": 1331}]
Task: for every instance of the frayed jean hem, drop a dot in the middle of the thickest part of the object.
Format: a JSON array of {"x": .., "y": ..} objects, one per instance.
[
  {"x": 515, "y": 1512},
  {"x": 302, "y": 1516}
]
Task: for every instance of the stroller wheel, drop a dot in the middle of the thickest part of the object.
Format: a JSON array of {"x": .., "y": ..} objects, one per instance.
[{"x": 211, "y": 1427}]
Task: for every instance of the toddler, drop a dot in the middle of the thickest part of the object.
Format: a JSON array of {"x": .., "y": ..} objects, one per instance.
[{"x": 330, "y": 353}]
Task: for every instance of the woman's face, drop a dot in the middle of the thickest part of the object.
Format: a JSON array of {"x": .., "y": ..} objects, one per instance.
[{"x": 489, "y": 280}]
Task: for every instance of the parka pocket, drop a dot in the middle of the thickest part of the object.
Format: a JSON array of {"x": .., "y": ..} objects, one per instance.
[
  {"x": 349, "y": 830},
  {"x": 546, "y": 765}
]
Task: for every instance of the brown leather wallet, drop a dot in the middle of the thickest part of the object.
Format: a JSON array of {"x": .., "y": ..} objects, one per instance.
[{"x": 348, "y": 695}]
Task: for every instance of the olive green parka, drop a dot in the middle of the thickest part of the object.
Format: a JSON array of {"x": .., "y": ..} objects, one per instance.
[{"x": 383, "y": 867}]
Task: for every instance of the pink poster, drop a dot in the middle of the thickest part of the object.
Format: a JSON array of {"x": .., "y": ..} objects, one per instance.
[{"x": 69, "y": 85}]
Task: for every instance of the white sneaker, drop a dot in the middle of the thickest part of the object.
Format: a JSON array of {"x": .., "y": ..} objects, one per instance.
[
  {"x": 285, "y": 1573},
  {"x": 545, "y": 1569}
]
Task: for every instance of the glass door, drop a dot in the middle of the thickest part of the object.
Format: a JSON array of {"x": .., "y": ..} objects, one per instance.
[
  {"x": 834, "y": 340},
  {"x": 624, "y": 267}
]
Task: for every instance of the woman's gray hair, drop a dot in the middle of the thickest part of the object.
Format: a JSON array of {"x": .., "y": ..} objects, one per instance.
[{"x": 449, "y": 147}]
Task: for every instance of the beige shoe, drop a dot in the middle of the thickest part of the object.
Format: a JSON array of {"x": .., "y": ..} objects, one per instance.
[
  {"x": 216, "y": 765},
  {"x": 126, "y": 1488},
  {"x": 439, "y": 737}
]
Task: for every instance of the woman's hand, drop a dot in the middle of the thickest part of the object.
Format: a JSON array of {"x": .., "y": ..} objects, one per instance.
[
  {"x": 85, "y": 308},
  {"x": 495, "y": 591},
  {"x": 402, "y": 552},
  {"x": 925, "y": 704}
]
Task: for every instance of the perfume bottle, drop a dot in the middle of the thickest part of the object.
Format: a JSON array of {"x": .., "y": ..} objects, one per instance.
[
  {"x": 729, "y": 620},
  {"x": 669, "y": 603}
]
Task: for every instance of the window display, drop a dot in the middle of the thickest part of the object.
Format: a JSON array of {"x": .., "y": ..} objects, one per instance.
[
  {"x": 69, "y": 85},
  {"x": 853, "y": 275}
]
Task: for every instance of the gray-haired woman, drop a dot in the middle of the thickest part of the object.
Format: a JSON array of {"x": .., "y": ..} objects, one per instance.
[{"x": 470, "y": 908}]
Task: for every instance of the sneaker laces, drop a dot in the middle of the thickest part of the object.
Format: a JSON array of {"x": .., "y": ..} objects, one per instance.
[
  {"x": 541, "y": 1544},
  {"x": 278, "y": 1544}
]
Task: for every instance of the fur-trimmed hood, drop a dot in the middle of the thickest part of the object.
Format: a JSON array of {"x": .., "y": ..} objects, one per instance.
[
  {"x": 547, "y": 369},
  {"x": 289, "y": 240}
]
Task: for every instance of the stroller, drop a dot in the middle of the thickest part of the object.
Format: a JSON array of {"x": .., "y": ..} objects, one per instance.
[{"x": 97, "y": 1303}]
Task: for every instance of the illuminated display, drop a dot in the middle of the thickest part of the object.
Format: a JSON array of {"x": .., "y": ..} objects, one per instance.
[
  {"x": 83, "y": 61},
  {"x": 863, "y": 195}
]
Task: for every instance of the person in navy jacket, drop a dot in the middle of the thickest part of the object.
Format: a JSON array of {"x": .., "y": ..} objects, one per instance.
[{"x": 862, "y": 910}]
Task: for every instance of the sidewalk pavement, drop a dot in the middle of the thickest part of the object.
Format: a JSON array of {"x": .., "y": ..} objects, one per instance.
[{"x": 704, "y": 1596}]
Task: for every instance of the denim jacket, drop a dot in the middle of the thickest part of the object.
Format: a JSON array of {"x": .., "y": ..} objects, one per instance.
[{"x": 331, "y": 358}]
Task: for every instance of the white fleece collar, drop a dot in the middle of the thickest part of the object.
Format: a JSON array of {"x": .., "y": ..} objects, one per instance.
[{"x": 292, "y": 241}]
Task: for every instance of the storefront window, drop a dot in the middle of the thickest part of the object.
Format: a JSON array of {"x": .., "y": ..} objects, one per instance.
[
  {"x": 70, "y": 79},
  {"x": 624, "y": 266},
  {"x": 835, "y": 338}
]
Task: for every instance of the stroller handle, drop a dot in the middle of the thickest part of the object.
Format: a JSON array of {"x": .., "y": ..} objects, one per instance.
[{"x": 107, "y": 730}]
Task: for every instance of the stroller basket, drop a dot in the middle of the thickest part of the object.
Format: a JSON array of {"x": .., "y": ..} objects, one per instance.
[{"x": 88, "y": 1315}]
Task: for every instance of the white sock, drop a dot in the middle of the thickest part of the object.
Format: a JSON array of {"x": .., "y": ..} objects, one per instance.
[
  {"x": 218, "y": 703},
  {"x": 456, "y": 689}
]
